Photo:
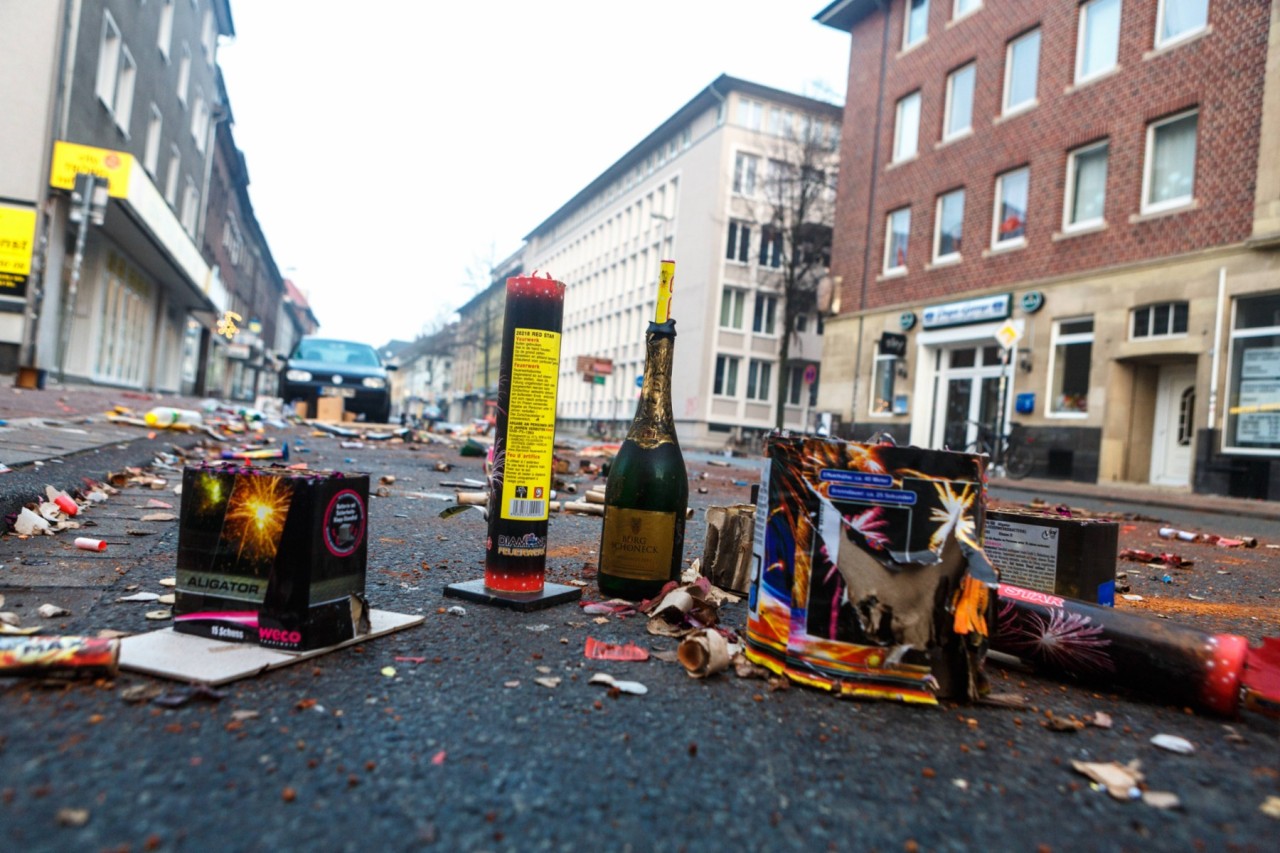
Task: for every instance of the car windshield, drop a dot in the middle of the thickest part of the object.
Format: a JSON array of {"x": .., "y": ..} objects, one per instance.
[{"x": 337, "y": 352}]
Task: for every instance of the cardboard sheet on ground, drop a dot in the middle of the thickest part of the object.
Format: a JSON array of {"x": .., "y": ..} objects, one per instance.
[{"x": 185, "y": 657}]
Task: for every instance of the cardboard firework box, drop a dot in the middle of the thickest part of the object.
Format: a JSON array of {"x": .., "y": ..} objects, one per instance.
[
  {"x": 272, "y": 555},
  {"x": 870, "y": 580}
]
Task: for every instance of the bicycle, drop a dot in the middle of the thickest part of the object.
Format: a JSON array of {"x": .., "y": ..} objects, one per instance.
[{"x": 1015, "y": 460}]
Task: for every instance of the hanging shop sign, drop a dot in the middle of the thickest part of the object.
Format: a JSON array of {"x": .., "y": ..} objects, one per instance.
[
  {"x": 70, "y": 160},
  {"x": 1031, "y": 301},
  {"x": 892, "y": 344},
  {"x": 982, "y": 310},
  {"x": 907, "y": 320},
  {"x": 17, "y": 240}
]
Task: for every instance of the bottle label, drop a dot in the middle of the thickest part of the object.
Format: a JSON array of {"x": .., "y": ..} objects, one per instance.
[
  {"x": 637, "y": 543},
  {"x": 524, "y": 465}
]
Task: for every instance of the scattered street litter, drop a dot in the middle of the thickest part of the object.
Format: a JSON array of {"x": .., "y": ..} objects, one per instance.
[
  {"x": 598, "y": 650},
  {"x": 1161, "y": 799},
  {"x": 389, "y": 671},
  {"x": 1271, "y": 807},
  {"x": 28, "y": 523},
  {"x": 84, "y": 543},
  {"x": 635, "y": 688},
  {"x": 140, "y": 596},
  {"x": 679, "y": 609},
  {"x": 159, "y": 516},
  {"x": 726, "y": 556},
  {"x": 1120, "y": 780},
  {"x": 1132, "y": 597},
  {"x": 49, "y": 611},
  {"x": 1137, "y": 555},
  {"x": 457, "y": 610},
  {"x": 47, "y": 655},
  {"x": 1101, "y": 645},
  {"x": 1099, "y": 719},
  {"x": 73, "y": 818},
  {"x": 704, "y": 653},
  {"x": 158, "y": 615},
  {"x": 180, "y": 696},
  {"x": 614, "y": 607},
  {"x": 65, "y": 503},
  {"x": 1208, "y": 538},
  {"x": 138, "y": 693},
  {"x": 549, "y": 682},
  {"x": 1173, "y": 743}
]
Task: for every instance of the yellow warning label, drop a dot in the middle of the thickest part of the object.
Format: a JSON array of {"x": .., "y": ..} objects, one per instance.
[{"x": 531, "y": 424}]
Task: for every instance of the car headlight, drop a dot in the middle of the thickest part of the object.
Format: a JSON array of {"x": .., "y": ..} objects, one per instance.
[
  {"x": 298, "y": 375},
  {"x": 373, "y": 382}
]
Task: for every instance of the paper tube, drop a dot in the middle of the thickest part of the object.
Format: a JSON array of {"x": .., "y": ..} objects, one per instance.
[
  {"x": 84, "y": 543},
  {"x": 66, "y": 504},
  {"x": 704, "y": 653}
]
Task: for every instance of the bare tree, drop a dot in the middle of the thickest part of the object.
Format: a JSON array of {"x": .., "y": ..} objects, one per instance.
[{"x": 797, "y": 217}]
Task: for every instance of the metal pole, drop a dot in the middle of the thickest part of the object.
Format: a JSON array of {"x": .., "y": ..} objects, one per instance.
[{"x": 68, "y": 311}]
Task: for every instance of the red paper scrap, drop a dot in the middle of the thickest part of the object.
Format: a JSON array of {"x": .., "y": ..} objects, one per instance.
[
  {"x": 406, "y": 659},
  {"x": 598, "y": 650}
]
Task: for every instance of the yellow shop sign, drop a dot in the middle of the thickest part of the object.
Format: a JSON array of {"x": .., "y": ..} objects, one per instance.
[{"x": 70, "y": 159}]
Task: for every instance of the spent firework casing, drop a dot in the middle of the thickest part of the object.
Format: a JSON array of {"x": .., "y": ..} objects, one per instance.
[{"x": 42, "y": 655}]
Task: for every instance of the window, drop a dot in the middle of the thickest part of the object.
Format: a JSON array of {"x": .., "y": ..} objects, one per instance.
[
  {"x": 906, "y": 128},
  {"x": 802, "y": 323},
  {"x": 795, "y": 387},
  {"x": 171, "y": 177},
  {"x": 917, "y": 23},
  {"x": 184, "y": 74},
  {"x": 1098, "y": 39},
  {"x": 732, "y": 303},
  {"x": 1253, "y": 397},
  {"x": 759, "y": 378},
  {"x": 190, "y": 206},
  {"x": 1164, "y": 320},
  {"x": 151, "y": 154},
  {"x": 964, "y": 7},
  {"x": 949, "y": 226},
  {"x": 726, "y": 384},
  {"x": 123, "y": 104},
  {"x": 200, "y": 121},
  {"x": 770, "y": 246},
  {"x": 1021, "y": 70},
  {"x": 164, "y": 40},
  {"x": 1010, "y": 226},
  {"x": 1180, "y": 19},
  {"x": 750, "y": 113},
  {"x": 885, "y": 374},
  {"x": 1086, "y": 187},
  {"x": 739, "y": 247},
  {"x": 745, "y": 167},
  {"x": 208, "y": 36},
  {"x": 897, "y": 235},
  {"x": 764, "y": 317},
  {"x": 1169, "y": 178},
  {"x": 108, "y": 61},
  {"x": 1071, "y": 354},
  {"x": 959, "y": 110}
]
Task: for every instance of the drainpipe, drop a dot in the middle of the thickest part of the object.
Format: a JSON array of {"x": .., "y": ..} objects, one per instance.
[
  {"x": 1217, "y": 347},
  {"x": 871, "y": 197}
]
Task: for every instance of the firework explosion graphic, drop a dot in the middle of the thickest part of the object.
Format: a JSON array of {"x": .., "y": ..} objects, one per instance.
[
  {"x": 870, "y": 525},
  {"x": 1067, "y": 640},
  {"x": 256, "y": 515},
  {"x": 953, "y": 515},
  {"x": 497, "y": 464},
  {"x": 210, "y": 495}
]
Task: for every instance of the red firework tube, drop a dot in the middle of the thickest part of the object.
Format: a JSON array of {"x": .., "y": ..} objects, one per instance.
[
  {"x": 45, "y": 655},
  {"x": 1107, "y": 647},
  {"x": 66, "y": 504}
]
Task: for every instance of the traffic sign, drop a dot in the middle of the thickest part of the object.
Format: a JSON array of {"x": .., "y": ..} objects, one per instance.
[
  {"x": 640, "y": 381},
  {"x": 810, "y": 374},
  {"x": 1009, "y": 333}
]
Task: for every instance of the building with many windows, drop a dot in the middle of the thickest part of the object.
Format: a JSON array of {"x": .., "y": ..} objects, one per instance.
[
  {"x": 695, "y": 190},
  {"x": 125, "y": 92},
  {"x": 1094, "y": 184}
]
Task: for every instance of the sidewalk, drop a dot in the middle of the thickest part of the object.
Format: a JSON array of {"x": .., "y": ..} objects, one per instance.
[{"x": 1060, "y": 491}]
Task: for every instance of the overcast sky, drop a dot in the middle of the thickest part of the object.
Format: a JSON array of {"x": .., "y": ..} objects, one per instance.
[{"x": 397, "y": 147}]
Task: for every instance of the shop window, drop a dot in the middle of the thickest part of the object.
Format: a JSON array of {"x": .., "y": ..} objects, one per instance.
[
  {"x": 1071, "y": 358},
  {"x": 1164, "y": 320},
  {"x": 882, "y": 384},
  {"x": 1253, "y": 397}
]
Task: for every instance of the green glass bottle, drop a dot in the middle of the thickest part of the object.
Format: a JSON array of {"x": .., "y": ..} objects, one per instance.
[{"x": 647, "y": 495}]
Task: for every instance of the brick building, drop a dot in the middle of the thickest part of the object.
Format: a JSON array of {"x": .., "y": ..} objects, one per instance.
[{"x": 1101, "y": 177}]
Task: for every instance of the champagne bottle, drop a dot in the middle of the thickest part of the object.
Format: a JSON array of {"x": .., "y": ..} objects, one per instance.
[{"x": 642, "y": 540}]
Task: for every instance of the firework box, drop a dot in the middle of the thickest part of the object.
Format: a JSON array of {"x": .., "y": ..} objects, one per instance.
[
  {"x": 1072, "y": 557},
  {"x": 869, "y": 579},
  {"x": 272, "y": 555}
]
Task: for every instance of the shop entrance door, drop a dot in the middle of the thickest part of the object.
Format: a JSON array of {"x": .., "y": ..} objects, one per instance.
[
  {"x": 968, "y": 394},
  {"x": 1174, "y": 426}
]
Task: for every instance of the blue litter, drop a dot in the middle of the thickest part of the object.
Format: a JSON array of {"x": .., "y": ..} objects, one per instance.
[{"x": 1167, "y": 579}]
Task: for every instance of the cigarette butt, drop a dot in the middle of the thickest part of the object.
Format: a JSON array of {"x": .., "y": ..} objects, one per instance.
[
  {"x": 84, "y": 543},
  {"x": 67, "y": 505}
]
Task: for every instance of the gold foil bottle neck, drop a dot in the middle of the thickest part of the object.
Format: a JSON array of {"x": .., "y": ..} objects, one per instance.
[{"x": 654, "y": 423}]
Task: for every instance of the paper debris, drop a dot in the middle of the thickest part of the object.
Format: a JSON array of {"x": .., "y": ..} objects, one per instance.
[
  {"x": 74, "y": 818},
  {"x": 168, "y": 581},
  {"x": 704, "y": 653},
  {"x": 635, "y": 688},
  {"x": 140, "y": 596},
  {"x": 160, "y": 516},
  {"x": 28, "y": 523},
  {"x": 1271, "y": 807},
  {"x": 1161, "y": 799},
  {"x": 1120, "y": 780},
  {"x": 49, "y": 611},
  {"x": 158, "y": 615},
  {"x": 598, "y": 650},
  {"x": 457, "y": 610},
  {"x": 1099, "y": 719},
  {"x": 1173, "y": 743},
  {"x": 551, "y": 682}
]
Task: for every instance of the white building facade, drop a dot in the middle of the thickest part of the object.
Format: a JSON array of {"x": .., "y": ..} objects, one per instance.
[{"x": 692, "y": 191}]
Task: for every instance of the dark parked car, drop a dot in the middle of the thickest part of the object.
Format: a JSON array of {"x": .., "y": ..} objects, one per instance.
[{"x": 324, "y": 367}]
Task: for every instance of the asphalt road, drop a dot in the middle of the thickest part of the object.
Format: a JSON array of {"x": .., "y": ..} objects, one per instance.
[{"x": 444, "y": 753}]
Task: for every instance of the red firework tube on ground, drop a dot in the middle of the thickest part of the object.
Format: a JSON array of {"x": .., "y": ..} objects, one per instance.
[
  {"x": 1111, "y": 648},
  {"x": 49, "y": 655}
]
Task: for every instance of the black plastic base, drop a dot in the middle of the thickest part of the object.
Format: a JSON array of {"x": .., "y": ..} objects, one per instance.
[{"x": 550, "y": 595}]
